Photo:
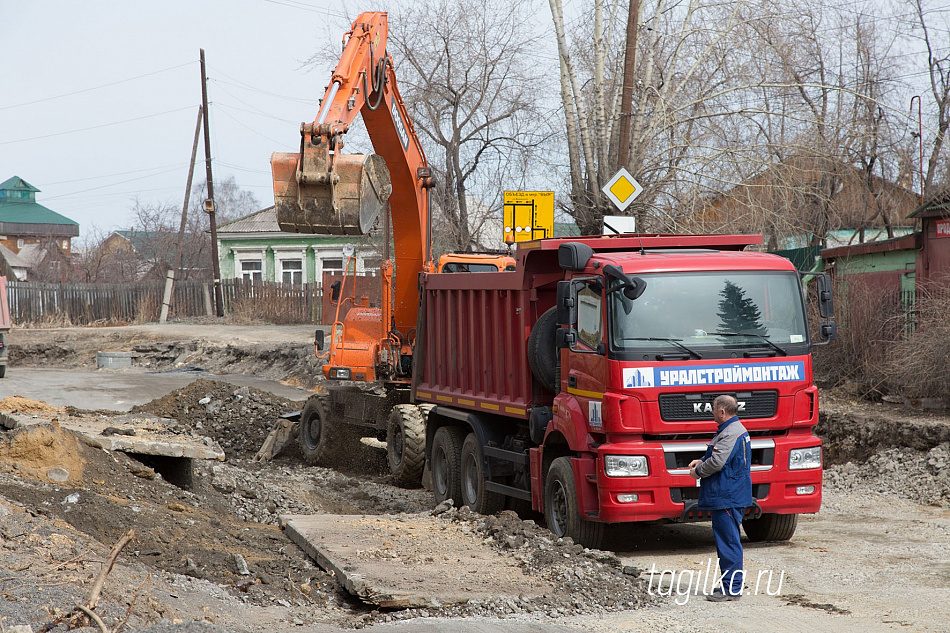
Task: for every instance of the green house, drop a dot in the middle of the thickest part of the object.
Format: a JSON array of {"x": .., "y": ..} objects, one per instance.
[
  {"x": 254, "y": 248},
  {"x": 24, "y": 222}
]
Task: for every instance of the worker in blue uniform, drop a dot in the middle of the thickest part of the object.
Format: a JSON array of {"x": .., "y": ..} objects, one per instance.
[{"x": 725, "y": 490}]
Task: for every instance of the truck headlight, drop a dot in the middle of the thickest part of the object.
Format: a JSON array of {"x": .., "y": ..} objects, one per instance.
[
  {"x": 340, "y": 373},
  {"x": 804, "y": 458},
  {"x": 626, "y": 466}
]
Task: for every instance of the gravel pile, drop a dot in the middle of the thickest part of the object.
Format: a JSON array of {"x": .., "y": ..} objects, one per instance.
[
  {"x": 262, "y": 493},
  {"x": 237, "y": 418},
  {"x": 919, "y": 476}
]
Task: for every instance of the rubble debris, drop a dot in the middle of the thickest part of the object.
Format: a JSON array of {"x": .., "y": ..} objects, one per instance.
[{"x": 237, "y": 418}]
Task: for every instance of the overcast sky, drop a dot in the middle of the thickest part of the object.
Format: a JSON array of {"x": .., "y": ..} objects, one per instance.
[{"x": 99, "y": 99}]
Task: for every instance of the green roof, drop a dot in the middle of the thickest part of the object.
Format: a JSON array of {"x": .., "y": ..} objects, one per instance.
[
  {"x": 29, "y": 212},
  {"x": 22, "y": 207},
  {"x": 17, "y": 183}
]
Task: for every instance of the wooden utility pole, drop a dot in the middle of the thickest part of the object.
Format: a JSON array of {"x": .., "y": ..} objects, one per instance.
[
  {"x": 209, "y": 203},
  {"x": 169, "y": 282},
  {"x": 629, "y": 77}
]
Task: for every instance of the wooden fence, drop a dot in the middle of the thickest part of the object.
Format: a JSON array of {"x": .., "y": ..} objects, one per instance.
[{"x": 33, "y": 303}]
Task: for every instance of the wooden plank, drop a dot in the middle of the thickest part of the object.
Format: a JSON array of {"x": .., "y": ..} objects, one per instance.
[{"x": 408, "y": 560}]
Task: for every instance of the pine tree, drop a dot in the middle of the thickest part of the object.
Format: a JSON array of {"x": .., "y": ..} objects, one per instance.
[{"x": 738, "y": 313}]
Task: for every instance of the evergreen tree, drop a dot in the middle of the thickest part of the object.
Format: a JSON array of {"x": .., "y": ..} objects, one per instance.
[{"x": 738, "y": 313}]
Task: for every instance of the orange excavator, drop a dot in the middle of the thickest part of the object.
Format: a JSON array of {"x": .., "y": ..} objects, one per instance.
[{"x": 322, "y": 190}]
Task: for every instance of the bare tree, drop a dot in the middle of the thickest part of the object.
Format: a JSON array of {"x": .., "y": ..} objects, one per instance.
[
  {"x": 472, "y": 84},
  {"x": 938, "y": 70}
]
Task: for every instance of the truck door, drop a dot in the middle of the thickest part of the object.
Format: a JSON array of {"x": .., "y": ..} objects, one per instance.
[{"x": 587, "y": 365}]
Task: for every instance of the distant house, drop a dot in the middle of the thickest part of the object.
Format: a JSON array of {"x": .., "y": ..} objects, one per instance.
[
  {"x": 902, "y": 263},
  {"x": 821, "y": 196},
  {"x": 254, "y": 248},
  {"x": 40, "y": 237},
  {"x": 150, "y": 254}
]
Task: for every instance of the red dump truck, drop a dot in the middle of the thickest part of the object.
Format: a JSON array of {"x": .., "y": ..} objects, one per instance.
[{"x": 582, "y": 381}]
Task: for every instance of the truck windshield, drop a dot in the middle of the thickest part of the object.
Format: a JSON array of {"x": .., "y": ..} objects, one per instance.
[{"x": 711, "y": 313}]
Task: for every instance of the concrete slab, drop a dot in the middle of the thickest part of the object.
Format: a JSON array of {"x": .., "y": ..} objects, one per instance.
[
  {"x": 408, "y": 561},
  {"x": 151, "y": 435}
]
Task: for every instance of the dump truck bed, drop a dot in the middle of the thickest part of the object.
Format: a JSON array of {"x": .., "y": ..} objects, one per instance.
[{"x": 473, "y": 335}]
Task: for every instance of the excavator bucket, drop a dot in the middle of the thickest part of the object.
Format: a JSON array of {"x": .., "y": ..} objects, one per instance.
[{"x": 345, "y": 199}]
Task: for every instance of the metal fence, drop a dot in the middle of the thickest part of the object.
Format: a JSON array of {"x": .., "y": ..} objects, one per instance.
[{"x": 33, "y": 303}]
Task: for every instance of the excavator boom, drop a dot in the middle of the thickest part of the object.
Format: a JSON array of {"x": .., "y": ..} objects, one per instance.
[{"x": 321, "y": 190}]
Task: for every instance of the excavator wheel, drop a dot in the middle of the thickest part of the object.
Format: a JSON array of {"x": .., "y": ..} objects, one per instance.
[
  {"x": 322, "y": 440},
  {"x": 406, "y": 444}
]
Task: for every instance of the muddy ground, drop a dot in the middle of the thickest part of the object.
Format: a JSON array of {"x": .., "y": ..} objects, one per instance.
[{"x": 215, "y": 553}]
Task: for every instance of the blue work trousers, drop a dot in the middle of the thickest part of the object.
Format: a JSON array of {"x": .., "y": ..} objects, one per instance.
[{"x": 725, "y": 524}]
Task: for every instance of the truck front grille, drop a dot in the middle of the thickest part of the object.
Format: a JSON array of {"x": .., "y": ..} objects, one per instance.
[{"x": 693, "y": 407}]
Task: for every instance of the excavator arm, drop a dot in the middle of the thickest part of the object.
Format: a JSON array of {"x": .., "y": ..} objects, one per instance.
[{"x": 321, "y": 190}]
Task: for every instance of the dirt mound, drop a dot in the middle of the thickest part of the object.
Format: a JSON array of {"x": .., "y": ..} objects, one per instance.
[
  {"x": 237, "y": 418},
  {"x": 25, "y": 405},
  {"x": 44, "y": 453},
  {"x": 190, "y": 532}
]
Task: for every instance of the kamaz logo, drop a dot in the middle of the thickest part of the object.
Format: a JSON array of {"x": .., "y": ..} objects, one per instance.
[{"x": 706, "y": 407}]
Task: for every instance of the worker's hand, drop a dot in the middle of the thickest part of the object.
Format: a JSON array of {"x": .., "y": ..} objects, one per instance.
[{"x": 692, "y": 468}]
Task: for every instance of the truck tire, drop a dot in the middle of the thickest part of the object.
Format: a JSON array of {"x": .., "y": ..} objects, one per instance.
[
  {"x": 474, "y": 493},
  {"x": 446, "y": 464},
  {"x": 321, "y": 439},
  {"x": 771, "y": 527},
  {"x": 543, "y": 352},
  {"x": 406, "y": 444},
  {"x": 560, "y": 507},
  {"x": 3, "y": 371}
]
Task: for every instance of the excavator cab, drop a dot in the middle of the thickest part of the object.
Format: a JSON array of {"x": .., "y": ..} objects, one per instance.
[{"x": 321, "y": 190}]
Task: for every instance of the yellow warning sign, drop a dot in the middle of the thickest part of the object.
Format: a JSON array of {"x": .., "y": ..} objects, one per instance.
[
  {"x": 529, "y": 215},
  {"x": 622, "y": 189}
]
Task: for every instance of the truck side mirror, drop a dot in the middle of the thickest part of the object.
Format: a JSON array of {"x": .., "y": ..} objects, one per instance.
[
  {"x": 335, "y": 291},
  {"x": 826, "y": 304},
  {"x": 574, "y": 256},
  {"x": 318, "y": 340},
  {"x": 566, "y": 303}
]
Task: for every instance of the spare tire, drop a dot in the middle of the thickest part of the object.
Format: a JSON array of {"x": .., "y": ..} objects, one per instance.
[{"x": 543, "y": 351}]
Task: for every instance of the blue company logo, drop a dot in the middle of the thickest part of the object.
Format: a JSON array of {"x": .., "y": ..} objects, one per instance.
[
  {"x": 594, "y": 413},
  {"x": 713, "y": 374},
  {"x": 638, "y": 377}
]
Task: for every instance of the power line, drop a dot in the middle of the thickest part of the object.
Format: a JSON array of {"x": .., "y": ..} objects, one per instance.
[
  {"x": 96, "y": 127},
  {"x": 108, "y": 85},
  {"x": 308, "y": 7}
]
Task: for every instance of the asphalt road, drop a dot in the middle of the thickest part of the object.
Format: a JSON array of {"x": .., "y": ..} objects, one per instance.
[{"x": 119, "y": 389}]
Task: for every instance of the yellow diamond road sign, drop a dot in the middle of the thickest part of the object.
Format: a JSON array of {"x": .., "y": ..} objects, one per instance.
[{"x": 622, "y": 189}]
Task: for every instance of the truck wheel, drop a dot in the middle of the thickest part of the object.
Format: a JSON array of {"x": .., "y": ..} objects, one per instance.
[
  {"x": 474, "y": 494},
  {"x": 406, "y": 444},
  {"x": 319, "y": 436},
  {"x": 446, "y": 464},
  {"x": 3, "y": 371},
  {"x": 560, "y": 507},
  {"x": 771, "y": 527},
  {"x": 543, "y": 352}
]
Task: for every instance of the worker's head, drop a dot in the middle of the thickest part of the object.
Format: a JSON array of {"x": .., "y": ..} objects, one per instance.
[{"x": 724, "y": 407}]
